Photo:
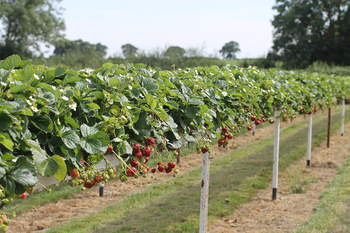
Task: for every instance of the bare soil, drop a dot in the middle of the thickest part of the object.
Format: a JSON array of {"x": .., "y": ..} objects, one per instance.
[
  {"x": 289, "y": 210},
  {"x": 88, "y": 202}
]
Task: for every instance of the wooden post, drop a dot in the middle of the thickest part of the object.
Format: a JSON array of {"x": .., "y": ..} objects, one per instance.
[
  {"x": 309, "y": 138},
  {"x": 178, "y": 156},
  {"x": 276, "y": 155},
  {"x": 204, "y": 193},
  {"x": 254, "y": 130},
  {"x": 329, "y": 126},
  {"x": 342, "y": 117}
]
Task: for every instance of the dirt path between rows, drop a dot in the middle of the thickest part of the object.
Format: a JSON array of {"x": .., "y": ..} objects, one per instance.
[
  {"x": 289, "y": 210},
  {"x": 88, "y": 202}
]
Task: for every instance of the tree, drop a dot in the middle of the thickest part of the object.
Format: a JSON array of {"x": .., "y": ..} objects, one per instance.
[
  {"x": 65, "y": 46},
  {"x": 175, "y": 52},
  {"x": 311, "y": 30},
  {"x": 26, "y": 24},
  {"x": 129, "y": 50},
  {"x": 230, "y": 49}
]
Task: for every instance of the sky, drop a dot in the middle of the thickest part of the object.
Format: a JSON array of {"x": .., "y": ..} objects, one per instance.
[{"x": 152, "y": 24}]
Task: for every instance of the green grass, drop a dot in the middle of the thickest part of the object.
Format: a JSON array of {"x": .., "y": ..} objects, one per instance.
[
  {"x": 333, "y": 212},
  {"x": 173, "y": 206}
]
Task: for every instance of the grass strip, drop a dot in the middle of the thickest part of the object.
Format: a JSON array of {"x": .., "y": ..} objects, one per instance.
[
  {"x": 173, "y": 206},
  {"x": 332, "y": 214}
]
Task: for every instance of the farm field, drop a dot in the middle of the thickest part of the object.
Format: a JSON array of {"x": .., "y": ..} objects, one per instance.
[{"x": 235, "y": 165}]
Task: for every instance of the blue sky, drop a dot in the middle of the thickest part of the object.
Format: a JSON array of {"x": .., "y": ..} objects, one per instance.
[{"x": 150, "y": 24}]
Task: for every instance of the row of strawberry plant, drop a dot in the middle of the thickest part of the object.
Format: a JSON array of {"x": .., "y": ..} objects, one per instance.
[{"x": 56, "y": 121}]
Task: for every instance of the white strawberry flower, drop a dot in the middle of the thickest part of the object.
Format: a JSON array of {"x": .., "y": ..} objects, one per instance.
[
  {"x": 29, "y": 103},
  {"x": 34, "y": 108},
  {"x": 73, "y": 106},
  {"x": 130, "y": 87},
  {"x": 107, "y": 95},
  {"x": 36, "y": 77},
  {"x": 110, "y": 101},
  {"x": 128, "y": 107},
  {"x": 53, "y": 87},
  {"x": 107, "y": 105},
  {"x": 31, "y": 98},
  {"x": 88, "y": 80},
  {"x": 224, "y": 93},
  {"x": 58, "y": 122},
  {"x": 3, "y": 84},
  {"x": 61, "y": 90},
  {"x": 65, "y": 98}
]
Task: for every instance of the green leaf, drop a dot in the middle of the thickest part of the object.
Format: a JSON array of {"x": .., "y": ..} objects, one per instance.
[
  {"x": 59, "y": 71},
  {"x": 71, "y": 122},
  {"x": 10, "y": 62},
  {"x": 113, "y": 82},
  {"x": 61, "y": 172},
  {"x": 69, "y": 137},
  {"x": 5, "y": 122},
  {"x": 6, "y": 141},
  {"x": 191, "y": 111},
  {"x": 43, "y": 123},
  {"x": 2, "y": 172},
  {"x": 71, "y": 79},
  {"x": 93, "y": 106},
  {"x": 172, "y": 104},
  {"x": 24, "y": 172},
  {"x": 161, "y": 113},
  {"x": 91, "y": 146},
  {"x": 18, "y": 88},
  {"x": 28, "y": 73},
  {"x": 88, "y": 131},
  {"x": 44, "y": 164},
  {"x": 195, "y": 101},
  {"x": 151, "y": 87}
]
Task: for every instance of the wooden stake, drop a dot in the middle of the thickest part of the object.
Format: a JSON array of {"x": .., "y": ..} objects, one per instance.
[
  {"x": 342, "y": 117},
  {"x": 309, "y": 138}
]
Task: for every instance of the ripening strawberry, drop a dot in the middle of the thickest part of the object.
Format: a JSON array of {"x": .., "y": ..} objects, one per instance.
[
  {"x": 150, "y": 141},
  {"x": 161, "y": 168},
  {"x": 221, "y": 142},
  {"x": 263, "y": 119},
  {"x": 23, "y": 195},
  {"x": 146, "y": 152},
  {"x": 131, "y": 171},
  {"x": 98, "y": 179},
  {"x": 204, "y": 150},
  {"x": 171, "y": 165},
  {"x": 271, "y": 121},
  {"x": 153, "y": 170},
  {"x": 249, "y": 128},
  {"x": 224, "y": 130},
  {"x": 230, "y": 136},
  {"x": 253, "y": 118},
  {"x": 89, "y": 185},
  {"x": 135, "y": 148},
  {"x": 257, "y": 122},
  {"x": 74, "y": 174},
  {"x": 134, "y": 163},
  {"x": 109, "y": 149},
  {"x": 138, "y": 155},
  {"x": 168, "y": 170}
]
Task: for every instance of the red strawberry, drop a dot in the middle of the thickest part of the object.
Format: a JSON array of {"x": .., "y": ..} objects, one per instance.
[
  {"x": 224, "y": 130},
  {"x": 23, "y": 195},
  {"x": 230, "y": 136},
  {"x": 148, "y": 168},
  {"x": 285, "y": 119},
  {"x": 98, "y": 179},
  {"x": 226, "y": 135},
  {"x": 150, "y": 141},
  {"x": 74, "y": 174},
  {"x": 257, "y": 122},
  {"x": 134, "y": 163},
  {"x": 263, "y": 119},
  {"x": 146, "y": 160},
  {"x": 160, "y": 164},
  {"x": 161, "y": 168},
  {"x": 248, "y": 107},
  {"x": 138, "y": 155},
  {"x": 171, "y": 165},
  {"x": 109, "y": 149},
  {"x": 174, "y": 149},
  {"x": 153, "y": 170},
  {"x": 131, "y": 171},
  {"x": 89, "y": 185},
  {"x": 253, "y": 118},
  {"x": 204, "y": 150},
  {"x": 221, "y": 142},
  {"x": 3, "y": 218},
  {"x": 249, "y": 128},
  {"x": 135, "y": 148},
  {"x": 146, "y": 152},
  {"x": 168, "y": 170},
  {"x": 271, "y": 121}
]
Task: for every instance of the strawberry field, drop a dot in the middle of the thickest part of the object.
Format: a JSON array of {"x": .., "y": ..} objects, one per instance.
[{"x": 59, "y": 122}]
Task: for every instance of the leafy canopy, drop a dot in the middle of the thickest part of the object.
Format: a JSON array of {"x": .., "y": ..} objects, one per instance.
[
  {"x": 312, "y": 30},
  {"x": 230, "y": 49}
]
